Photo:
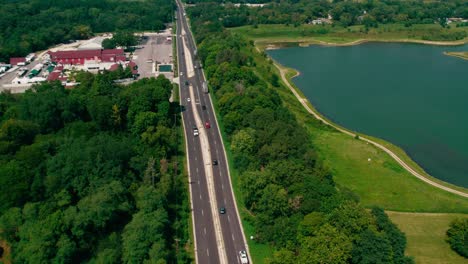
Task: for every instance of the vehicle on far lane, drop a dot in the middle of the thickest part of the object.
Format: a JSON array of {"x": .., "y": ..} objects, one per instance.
[
  {"x": 215, "y": 162},
  {"x": 243, "y": 257},
  {"x": 207, "y": 124},
  {"x": 222, "y": 210},
  {"x": 188, "y": 99}
]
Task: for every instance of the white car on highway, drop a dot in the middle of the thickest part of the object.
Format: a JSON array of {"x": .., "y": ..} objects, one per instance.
[
  {"x": 243, "y": 257},
  {"x": 188, "y": 99}
]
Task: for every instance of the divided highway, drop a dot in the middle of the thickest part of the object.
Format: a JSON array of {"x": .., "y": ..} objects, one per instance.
[{"x": 218, "y": 237}]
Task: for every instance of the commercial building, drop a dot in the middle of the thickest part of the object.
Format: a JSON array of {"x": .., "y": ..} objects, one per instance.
[
  {"x": 80, "y": 57},
  {"x": 18, "y": 60},
  {"x": 57, "y": 74}
]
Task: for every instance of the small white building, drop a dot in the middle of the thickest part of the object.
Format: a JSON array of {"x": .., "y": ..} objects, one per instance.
[
  {"x": 91, "y": 65},
  {"x": 26, "y": 80}
]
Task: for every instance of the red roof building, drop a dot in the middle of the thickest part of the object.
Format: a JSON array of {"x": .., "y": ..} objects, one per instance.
[
  {"x": 120, "y": 58},
  {"x": 78, "y": 57},
  {"x": 15, "y": 61},
  {"x": 114, "y": 67},
  {"x": 53, "y": 76},
  {"x": 134, "y": 67},
  {"x": 56, "y": 74},
  {"x": 113, "y": 51}
]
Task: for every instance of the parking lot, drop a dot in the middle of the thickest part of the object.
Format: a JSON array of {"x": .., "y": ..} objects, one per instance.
[
  {"x": 10, "y": 75},
  {"x": 156, "y": 49},
  {"x": 7, "y": 78}
]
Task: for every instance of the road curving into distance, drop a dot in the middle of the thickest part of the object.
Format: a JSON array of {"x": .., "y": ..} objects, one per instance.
[{"x": 304, "y": 101}]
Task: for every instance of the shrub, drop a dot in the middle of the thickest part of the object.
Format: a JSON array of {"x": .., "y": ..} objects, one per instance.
[{"x": 457, "y": 236}]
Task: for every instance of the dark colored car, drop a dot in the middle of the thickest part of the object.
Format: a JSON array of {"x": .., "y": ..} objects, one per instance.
[
  {"x": 203, "y": 107},
  {"x": 222, "y": 210},
  {"x": 215, "y": 162},
  {"x": 207, "y": 124},
  {"x": 186, "y": 83}
]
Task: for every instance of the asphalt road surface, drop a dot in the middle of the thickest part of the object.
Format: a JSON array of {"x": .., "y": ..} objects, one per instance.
[{"x": 232, "y": 233}]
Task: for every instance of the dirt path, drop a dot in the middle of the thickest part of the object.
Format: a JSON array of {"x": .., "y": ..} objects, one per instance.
[{"x": 304, "y": 101}]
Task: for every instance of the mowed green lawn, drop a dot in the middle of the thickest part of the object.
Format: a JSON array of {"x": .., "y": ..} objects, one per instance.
[
  {"x": 378, "y": 179},
  {"x": 268, "y": 34},
  {"x": 425, "y": 234}
]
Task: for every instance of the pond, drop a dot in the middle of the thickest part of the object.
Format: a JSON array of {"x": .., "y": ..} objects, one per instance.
[{"x": 411, "y": 95}]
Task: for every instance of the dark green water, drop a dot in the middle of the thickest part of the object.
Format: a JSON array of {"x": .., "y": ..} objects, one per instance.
[{"x": 408, "y": 94}]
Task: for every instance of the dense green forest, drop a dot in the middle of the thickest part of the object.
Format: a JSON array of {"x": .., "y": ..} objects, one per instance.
[
  {"x": 28, "y": 26},
  {"x": 344, "y": 13},
  {"x": 292, "y": 199},
  {"x": 93, "y": 174}
]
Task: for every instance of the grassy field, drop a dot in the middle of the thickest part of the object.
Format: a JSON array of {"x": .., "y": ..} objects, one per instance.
[
  {"x": 380, "y": 181},
  {"x": 327, "y": 34},
  {"x": 425, "y": 234}
]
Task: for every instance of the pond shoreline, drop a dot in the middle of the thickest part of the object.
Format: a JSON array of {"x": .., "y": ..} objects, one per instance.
[
  {"x": 282, "y": 44},
  {"x": 461, "y": 55},
  {"x": 405, "y": 161}
]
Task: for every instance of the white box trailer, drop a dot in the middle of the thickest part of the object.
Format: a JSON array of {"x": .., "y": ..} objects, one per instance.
[{"x": 30, "y": 57}]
